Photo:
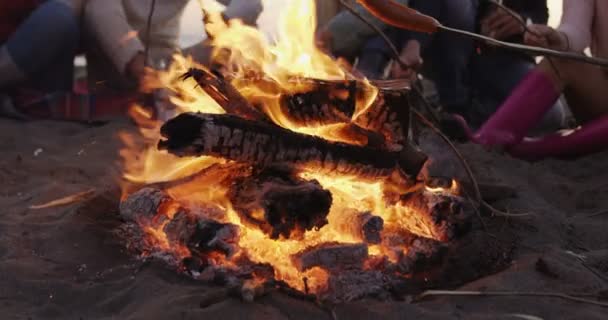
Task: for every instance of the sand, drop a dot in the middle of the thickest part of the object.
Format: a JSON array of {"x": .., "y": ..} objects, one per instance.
[{"x": 66, "y": 262}]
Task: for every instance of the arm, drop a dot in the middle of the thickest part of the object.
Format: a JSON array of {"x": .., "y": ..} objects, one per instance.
[
  {"x": 107, "y": 21},
  {"x": 577, "y": 23}
]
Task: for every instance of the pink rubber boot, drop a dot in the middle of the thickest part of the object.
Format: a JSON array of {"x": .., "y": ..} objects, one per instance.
[
  {"x": 592, "y": 137},
  {"x": 524, "y": 108}
]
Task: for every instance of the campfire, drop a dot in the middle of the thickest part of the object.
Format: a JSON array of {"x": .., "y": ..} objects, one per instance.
[{"x": 283, "y": 168}]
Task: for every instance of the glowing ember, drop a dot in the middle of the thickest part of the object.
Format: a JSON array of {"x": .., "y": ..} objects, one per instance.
[{"x": 370, "y": 225}]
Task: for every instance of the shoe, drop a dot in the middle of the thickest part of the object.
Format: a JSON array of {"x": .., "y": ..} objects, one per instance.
[
  {"x": 591, "y": 138},
  {"x": 524, "y": 108}
]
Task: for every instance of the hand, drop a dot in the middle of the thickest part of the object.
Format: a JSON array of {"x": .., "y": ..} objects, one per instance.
[
  {"x": 544, "y": 36},
  {"x": 410, "y": 57},
  {"x": 136, "y": 68},
  {"x": 502, "y": 25}
]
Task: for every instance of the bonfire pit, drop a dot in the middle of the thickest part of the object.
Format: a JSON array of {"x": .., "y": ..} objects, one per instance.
[
  {"x": 303, "y": 196},
  {"x": 292, "y": 175}
]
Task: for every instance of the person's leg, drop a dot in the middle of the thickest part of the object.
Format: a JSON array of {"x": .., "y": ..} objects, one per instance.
[
  {"x": 374, "y": 58},
  {"x": 584, "y": 86},
  {"x": 495, "y": 74},
  {"x": 450, "y": 55},
  {"x": 43, "y": 47}
]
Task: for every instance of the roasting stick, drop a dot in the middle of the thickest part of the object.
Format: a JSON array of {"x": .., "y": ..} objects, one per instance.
[{"x": 401, "y": 16}]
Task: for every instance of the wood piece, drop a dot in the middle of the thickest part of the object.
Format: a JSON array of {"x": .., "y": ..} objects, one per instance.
[
  {"x": 154, "y": 208},
  {"x": 389, "y": 115},
  {"x": 363, "y": 226},
  {"x": 332, "y": 257},
  {"x": 422, "y": 255},
  {"x": 226, "y": 95},
  {"x": 211, "y": 236},
  {"x": 143, "y": 204},
  {"x": 351, "y": 285},
  {"x": 442, "y": 216},
  {"x": 324, "y": 103},
  {"x": 237, "y": 139},
  {"x": 281, "y": 204}
]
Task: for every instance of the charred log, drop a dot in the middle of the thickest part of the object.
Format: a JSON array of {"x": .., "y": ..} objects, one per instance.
[
  {"x": 362, "y": 226},
  {"x": 264, "y": 144},
  {"x": 280, "y": 204},
  {"x": 210, "y": 236},
  {"x": 156, "y": 209},
  {"x": 421, "y": 253},
  {"x": 226, "y": 95},
  {"x": 443, "y": 216},
  {"x": 390, "y": 113},
  {"x": 353, "y": 285},
  {"x": 332, "y": 257},
  {"x": 324, "y": 102},
  {"x": 144, "y": 204}
]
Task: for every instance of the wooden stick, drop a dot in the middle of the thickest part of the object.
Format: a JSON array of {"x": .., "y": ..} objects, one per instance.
[
  {"x": 71, "y": 199},
  {"x": 435, "y": 293}
]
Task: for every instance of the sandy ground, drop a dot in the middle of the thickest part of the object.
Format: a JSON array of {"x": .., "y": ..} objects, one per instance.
[{"x": 65, "y": 263}]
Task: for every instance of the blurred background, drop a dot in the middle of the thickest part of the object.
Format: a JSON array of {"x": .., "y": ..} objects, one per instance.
[{"x": 193, "y": 29}]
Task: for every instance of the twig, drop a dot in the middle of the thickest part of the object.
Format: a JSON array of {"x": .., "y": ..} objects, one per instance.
[
  {"x": 434, "y": 293},
  {"x": 148, "y": 32},
  {"x": 71, "y": 199},
  {"x": 469, "y": 171}
]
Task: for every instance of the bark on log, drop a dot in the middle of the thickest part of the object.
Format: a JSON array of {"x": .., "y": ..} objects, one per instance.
[
  {"x": 420, "y": 253},
  {"x": 353, "y": 285},
  {"x": 389, "y": 115},
  {"x": 363, "y": 226},
  {"x": 324, "y": 103},
  {"x": 143, "y": 204},
  {"x": 158, "y": 210},
  {"x": 332, "y": 257},
  {"x": 237, "y": 139},
  {"x": 280, "y": 204},
  {"x": 441, "y": 216}
]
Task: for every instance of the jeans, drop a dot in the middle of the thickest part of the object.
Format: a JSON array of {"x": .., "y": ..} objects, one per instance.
[{"x": 44, "y": 46}]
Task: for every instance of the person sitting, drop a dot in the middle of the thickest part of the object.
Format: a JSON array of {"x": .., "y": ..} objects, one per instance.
[
  {"x": 38, "y": 42},
  {"x": 472, "y": 80},
  {"x": 584, "y": 25},
  {"x": 118, "y": 29}
]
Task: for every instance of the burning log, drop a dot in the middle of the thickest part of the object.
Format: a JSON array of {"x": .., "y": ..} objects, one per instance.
[
  {"x": 436, "y": 215},
  {"x": 352, "y": 285},
  {"x": 332, "y": 257},
  {"x": 421, "y": 253},
  {"x": 325, "y": 102},
  {"x": 237, "y": 139},
  {"x": 362, "y": 226},
  {"x": 143, "y": 204},
  {"x": 210, "y": 236},
  {"x": 227, "y": 96},
  {"x": 156, "y": 209},
  {"x": 281, "y": 204},
  {"x": 390, "y": 113}
]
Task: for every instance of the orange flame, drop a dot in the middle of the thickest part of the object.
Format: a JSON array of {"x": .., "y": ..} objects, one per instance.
[{"x": 293, "y": 55}]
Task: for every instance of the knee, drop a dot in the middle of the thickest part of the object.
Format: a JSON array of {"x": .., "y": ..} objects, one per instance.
[{"x": 64, "y": 16}]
